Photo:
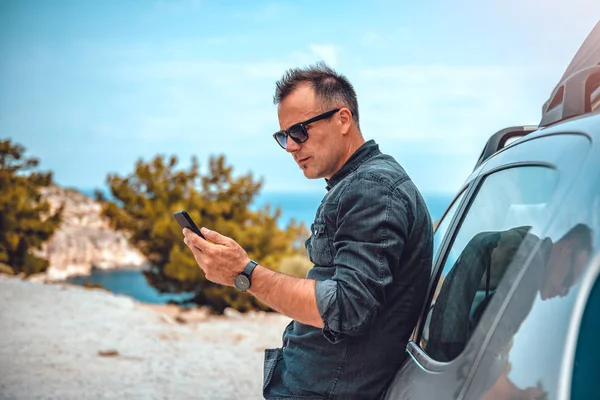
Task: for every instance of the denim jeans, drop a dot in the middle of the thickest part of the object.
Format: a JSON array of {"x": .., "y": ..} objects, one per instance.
[{"x": 371, "y": 244}]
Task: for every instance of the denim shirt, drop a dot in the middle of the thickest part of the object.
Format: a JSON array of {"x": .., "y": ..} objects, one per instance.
[{"x": 371, "y": 244}]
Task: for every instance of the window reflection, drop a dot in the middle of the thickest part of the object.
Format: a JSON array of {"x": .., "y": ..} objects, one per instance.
[
  {"x": 506, "y": 207},
  {"x": 525, "y": 353},
  {"x": 528, "y": 341}
]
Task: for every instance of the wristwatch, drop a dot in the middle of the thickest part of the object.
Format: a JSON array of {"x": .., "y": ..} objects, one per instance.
[{"x": 242, "y": 281}]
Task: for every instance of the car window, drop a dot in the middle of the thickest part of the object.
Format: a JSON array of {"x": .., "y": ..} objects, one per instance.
[
  {"x": 586, "y": 365},
  {"x": 526, "y": 348},
  {"x": 526, "y": 333},
  {"x": 444, "y": 224},
  {"x": 508, "y": 204}
]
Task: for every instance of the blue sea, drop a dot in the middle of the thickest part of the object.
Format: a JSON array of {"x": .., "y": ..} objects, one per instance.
[
  {"x": 300, "y": 207},
  {"x": 128, "y": 282}
]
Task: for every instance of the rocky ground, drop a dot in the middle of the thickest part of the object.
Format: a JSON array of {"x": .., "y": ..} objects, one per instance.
[{"x": 67, "y": 342}]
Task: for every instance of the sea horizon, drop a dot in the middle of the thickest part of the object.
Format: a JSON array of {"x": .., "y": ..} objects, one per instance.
[{"x": 301, "y": 206}]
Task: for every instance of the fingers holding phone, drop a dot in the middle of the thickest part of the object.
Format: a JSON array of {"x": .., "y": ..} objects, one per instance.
[
  {"x": 220, "y": 257},
  {"x": 185, "y": 221}
]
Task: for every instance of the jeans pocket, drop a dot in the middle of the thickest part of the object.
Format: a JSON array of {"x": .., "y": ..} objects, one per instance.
[{"x": 272, "y": 357}]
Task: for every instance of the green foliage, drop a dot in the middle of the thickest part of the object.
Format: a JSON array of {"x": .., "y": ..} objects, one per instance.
[
  {"x": 25, "y": 219},
  {"x": 144, "y": 207}
]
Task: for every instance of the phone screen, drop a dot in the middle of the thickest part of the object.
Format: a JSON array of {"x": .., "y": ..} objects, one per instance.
[{"x": 186, "y": 221}]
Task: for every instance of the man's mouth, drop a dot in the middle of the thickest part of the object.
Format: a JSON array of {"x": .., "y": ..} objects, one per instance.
[{"x": 301, "y": 160}]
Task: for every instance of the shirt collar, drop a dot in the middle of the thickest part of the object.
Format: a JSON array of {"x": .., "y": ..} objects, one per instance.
[{"x": 364, "y": 153}]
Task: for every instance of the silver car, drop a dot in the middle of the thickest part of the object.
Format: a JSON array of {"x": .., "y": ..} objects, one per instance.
[{"x": 513, "y": 310}]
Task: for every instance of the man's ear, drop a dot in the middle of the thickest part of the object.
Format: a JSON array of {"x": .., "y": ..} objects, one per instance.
[{"x": 345, "y": 120}]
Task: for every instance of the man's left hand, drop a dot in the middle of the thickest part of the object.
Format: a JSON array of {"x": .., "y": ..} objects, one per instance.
[{"x": 222, "y": 260}]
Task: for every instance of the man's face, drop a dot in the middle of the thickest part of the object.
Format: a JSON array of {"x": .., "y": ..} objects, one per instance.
[
  {"x": 322, "y": 155},
  {"x": 565, "y": 266}
]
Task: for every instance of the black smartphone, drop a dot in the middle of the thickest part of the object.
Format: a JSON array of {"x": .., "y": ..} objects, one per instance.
[{"x": 186, "y": 221}]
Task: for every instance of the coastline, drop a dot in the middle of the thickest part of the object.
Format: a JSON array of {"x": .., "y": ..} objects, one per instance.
[{"x": 68, "y": 342}]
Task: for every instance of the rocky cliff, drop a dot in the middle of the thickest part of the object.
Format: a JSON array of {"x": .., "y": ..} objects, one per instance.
[{"x": 84, "y": 239}]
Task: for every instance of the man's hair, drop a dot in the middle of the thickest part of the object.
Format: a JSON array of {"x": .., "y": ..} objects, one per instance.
[
  {"x": 331, "y": 89},
  {"x": 582, "y": 234}
]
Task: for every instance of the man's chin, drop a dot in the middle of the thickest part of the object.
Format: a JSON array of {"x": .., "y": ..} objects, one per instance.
[
  {"x": 309, "y": 173},
  {"x": 309, "y": 176},
  {"x": 548, "y": 294}
]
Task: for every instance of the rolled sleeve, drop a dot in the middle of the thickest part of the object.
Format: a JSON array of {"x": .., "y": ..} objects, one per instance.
[{"x": 369, "y": 239}]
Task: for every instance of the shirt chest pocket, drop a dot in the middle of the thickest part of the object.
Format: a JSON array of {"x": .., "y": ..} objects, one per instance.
[{"x": 319, "y": 248}]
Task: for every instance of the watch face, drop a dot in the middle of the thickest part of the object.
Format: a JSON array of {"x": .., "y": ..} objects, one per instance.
[{"x": 242, "y": 282}]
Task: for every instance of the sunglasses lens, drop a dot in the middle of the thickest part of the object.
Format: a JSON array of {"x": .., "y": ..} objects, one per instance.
[
  {"x": 298, "y": 134},
  {"x": 281, "y": 138}
]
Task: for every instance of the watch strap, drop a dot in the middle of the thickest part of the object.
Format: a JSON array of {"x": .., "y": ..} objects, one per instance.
[{"x": 249, "y": 268}]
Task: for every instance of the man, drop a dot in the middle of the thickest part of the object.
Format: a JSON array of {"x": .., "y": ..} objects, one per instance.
[{"x": 371, "y": 243}]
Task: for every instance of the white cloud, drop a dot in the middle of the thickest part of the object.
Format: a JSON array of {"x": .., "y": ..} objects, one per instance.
[
  {"x": 433, "y": 118},
  {"x": 327, "y": 52},
  {"x": 195, "y": 95},
  {"x": 451, "y": 104},
  {"x": 380, "y": 41},
  {"x": 371, "y": 38}
]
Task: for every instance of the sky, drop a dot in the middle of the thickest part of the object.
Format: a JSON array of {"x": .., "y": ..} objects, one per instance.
[{"x": 90, "y": 87}]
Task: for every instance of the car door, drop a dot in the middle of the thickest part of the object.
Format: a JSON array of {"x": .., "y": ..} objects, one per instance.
[
  {"x": 511, "y": 196},
  {"x": 541, "y": 344}
]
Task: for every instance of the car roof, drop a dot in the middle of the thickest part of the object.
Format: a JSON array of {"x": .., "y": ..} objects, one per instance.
[
  {"x": 588, "y": 125},
  {"x": 579, "y": 87}
]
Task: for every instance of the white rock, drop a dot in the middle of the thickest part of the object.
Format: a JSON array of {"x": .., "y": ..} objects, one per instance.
[
  {"x": 84, "y": 238},
  {"x": 231, "y": 313}
]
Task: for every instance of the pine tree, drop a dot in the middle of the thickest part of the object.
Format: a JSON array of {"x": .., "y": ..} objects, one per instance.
[
  {"x": 144, "y": 205},
  {"x": 25, "y": 219}
]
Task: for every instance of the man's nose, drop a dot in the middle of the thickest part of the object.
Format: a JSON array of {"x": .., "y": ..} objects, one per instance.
[{"x": 291, "y": 146}]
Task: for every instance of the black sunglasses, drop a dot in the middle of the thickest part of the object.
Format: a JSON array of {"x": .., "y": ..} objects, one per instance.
[{"x": 298, "y": 131}]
